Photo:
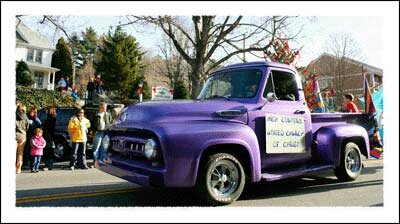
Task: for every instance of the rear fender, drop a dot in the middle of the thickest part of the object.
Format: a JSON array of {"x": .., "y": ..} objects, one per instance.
[{"x": 330, "y": 140}]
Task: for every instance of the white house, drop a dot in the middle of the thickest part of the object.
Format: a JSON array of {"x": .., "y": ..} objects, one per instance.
[{"x": 36, "y": 51}]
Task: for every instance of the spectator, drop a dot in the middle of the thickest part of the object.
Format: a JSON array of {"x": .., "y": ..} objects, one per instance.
[
  {"x": 90, "y": 88},
  {"x": 62, "y": 84},
  {"x": 97, "y": 81},
  {"x": 49, "y": 129},
  {"x": 74, "y": 94},
  {"x": 17, "y": 103},
  {"x": 21, "y": 127},
  {"x": 37, "y": 145},
  {"x": 101, "y": 87},
  {"x": 350, "y": 105},
  {"x": 34, "y": 122},
  {"x": 102, "y": 122},
  {"x": 78, "y": 127}
]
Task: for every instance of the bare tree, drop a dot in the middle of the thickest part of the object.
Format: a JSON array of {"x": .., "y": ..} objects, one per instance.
[
  {"x": 206, "y": 35},
  {"x": 59, "y": 23},
  {"x": 344, "y": 61},
  {"x": 174, "y": 66}
]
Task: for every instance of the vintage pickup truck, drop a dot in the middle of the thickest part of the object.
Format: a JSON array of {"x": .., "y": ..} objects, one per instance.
[{"x": 249, "y": 123}]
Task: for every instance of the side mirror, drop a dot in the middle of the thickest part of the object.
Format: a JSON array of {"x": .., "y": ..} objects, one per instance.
[{"x": 271, "y": 97}]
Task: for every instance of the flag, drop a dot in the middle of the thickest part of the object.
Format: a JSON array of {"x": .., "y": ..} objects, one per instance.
[
  {"x": 376, "y": 147},
  {"x": 320, "y": 107},
  {"x": 369, "y": 104}
]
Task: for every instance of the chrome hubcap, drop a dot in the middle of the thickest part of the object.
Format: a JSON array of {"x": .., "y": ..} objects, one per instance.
[
  {"x": 353, "y": 161},
  {"x": 224, "y": 178},
  {"x": 59, "y": 151}
]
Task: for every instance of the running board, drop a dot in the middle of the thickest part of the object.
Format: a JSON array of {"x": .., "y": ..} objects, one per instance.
[{"x": 283, "y": 174}]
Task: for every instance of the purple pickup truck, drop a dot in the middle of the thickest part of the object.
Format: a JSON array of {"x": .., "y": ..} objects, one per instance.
[{"x": 249, "y": 123}]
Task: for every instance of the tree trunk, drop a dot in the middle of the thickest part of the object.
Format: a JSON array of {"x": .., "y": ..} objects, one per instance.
[{"x": 196, "y": 76}]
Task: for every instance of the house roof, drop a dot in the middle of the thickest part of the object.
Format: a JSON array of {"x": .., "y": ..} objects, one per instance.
[
  {"x": 366, "y": 66},
  {"x": 41, "y": 66},
  {"x": 26, "y": 36}
]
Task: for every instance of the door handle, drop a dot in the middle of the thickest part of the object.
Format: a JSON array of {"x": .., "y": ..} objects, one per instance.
[{"x": 299, "y": 112}]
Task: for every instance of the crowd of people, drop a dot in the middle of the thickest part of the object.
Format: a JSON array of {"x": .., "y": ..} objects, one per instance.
[
  {"x": 94, "y": 85},
  {"x": 36, "y": 140}
]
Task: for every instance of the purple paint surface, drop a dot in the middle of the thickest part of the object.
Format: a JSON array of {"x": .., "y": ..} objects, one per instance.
[{"x": 186, "y": 129}]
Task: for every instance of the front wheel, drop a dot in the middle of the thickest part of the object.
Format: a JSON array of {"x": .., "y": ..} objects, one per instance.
[
  {"x": 350, "y": 163},
  {"x": 222, "y": 179}
]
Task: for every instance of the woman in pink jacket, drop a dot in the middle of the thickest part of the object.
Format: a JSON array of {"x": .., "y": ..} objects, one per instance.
[{"x": 37, "y": 145}]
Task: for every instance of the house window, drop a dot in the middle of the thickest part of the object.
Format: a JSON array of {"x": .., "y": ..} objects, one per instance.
[
  {"x": 29, "y": 56},
  {"x": 39, "y": 79},
  {"x": 378, "y": 79},
  {"x": 38, "y": 56}
]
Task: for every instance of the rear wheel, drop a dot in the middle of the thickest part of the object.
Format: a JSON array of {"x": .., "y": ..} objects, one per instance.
[
  {"x": 221, "y": 180},
  {"x": 350, "y": 163}
]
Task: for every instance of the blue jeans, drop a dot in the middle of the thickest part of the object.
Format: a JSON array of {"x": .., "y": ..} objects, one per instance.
[
  {"x": 35, "y": 162},
  {"x": 98, "y": 150}
]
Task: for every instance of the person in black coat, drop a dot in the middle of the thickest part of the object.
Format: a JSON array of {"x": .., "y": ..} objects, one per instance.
[
  {"x": 90, "y": 88},
  {"x": 34, "y": 122},
  {"x": 48, "y": 134}
]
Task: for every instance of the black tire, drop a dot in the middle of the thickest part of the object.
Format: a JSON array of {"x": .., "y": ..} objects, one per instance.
[
  {"x": 221, "y": 180},
  {"x": 62, "y": 150},
  {"x": 350, "y": 163}
]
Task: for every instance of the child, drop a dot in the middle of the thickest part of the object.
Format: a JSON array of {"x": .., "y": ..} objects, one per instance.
[
  {"x": 37, "y": 145},
  {"x": 350, "y": 105}
]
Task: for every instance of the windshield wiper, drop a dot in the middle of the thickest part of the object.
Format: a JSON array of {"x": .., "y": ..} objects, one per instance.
[{"x": 218, "y": 96}]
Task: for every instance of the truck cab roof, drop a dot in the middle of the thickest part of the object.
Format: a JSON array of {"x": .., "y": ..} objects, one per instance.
[{"x": 256, "y": 63}]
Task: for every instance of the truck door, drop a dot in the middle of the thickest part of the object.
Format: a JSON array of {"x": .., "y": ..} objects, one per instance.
[{"x": 283, "y": 125}]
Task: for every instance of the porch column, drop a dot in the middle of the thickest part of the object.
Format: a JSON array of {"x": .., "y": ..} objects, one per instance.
[
  {"x": 54, "y": 78},
  {"x": 48, "y": 81}
]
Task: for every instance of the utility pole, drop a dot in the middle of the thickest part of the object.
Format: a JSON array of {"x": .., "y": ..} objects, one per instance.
[
  {"x": 73, "y": 71},
  {"x": 244, "y": 47}
]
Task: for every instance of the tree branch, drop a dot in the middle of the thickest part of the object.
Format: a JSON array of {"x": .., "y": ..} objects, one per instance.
[{"x": 222, "y": 35}]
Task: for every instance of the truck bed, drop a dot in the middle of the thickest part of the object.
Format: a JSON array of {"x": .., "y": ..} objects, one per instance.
[{"x": 325, "y": 119}]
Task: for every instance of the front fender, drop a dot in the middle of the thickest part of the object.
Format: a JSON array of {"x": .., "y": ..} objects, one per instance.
[
  {"x": 330, "y": 141},
  {"x": 242, "y": 136},
  {"x": 183, "y": 146}
]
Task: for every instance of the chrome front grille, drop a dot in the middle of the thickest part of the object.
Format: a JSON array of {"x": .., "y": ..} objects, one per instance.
[{"x": 128, "y": 148}]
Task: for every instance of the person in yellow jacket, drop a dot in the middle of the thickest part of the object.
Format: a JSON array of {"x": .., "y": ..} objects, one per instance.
[{"x": 78, "y": 128}]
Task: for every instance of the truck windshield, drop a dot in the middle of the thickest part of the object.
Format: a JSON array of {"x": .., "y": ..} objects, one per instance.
[{"x": 232, "y": 84}]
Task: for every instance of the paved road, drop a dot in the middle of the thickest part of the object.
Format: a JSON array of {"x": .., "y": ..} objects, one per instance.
[{"x": 92, "y": 187}]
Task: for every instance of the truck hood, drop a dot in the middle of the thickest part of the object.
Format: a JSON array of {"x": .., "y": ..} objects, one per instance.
[{"x": 184, "y": 111}]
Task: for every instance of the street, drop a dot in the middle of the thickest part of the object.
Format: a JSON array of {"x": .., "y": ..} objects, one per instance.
[{"x": 88, "y": 188}]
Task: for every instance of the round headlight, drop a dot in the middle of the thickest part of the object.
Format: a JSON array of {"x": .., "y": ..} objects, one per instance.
[
  {"x": 106, "y": 142},
  {"x": 150, "y": 150}
]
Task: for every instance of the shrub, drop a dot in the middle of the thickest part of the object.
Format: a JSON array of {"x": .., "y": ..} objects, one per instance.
[
  {"x": 41, "y": 98},
  {"x": 180, "y": 91},
  {"x": 24, "y": 75}
]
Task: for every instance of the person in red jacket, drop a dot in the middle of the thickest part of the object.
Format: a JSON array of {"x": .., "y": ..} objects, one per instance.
[{"x": 350, "y": 105}]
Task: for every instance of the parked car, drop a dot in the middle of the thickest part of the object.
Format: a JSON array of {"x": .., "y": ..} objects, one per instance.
[
  {"x": 250, "y": 123},
  {"x": 62, "y": 140}
]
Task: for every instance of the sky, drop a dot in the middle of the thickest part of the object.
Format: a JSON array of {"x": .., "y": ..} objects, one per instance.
[{"x": 314, "y": 38}]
